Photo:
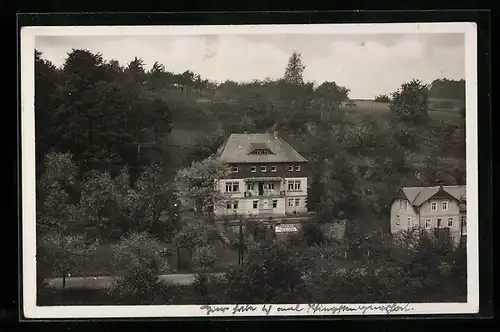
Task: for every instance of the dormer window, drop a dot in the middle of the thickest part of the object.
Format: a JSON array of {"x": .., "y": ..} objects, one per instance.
[
  {"x": 234, "y": 169},
  {"x": 261, "y": 152},
  {"x": 259, "y": 148}
]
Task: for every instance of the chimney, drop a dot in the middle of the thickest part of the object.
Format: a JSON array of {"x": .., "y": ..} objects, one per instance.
[{"x": 275, "y": 134}]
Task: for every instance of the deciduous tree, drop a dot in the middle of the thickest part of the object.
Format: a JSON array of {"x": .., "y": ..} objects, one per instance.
[
  {"x": 138, "y": 259},
  {"x": 197, "y": 185},
  {"x": 65, "y": 252},
  {"x": 410, "y": 101}
]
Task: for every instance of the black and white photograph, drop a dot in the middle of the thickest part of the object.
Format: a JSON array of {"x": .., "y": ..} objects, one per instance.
[{"x": 266, "y": 170}]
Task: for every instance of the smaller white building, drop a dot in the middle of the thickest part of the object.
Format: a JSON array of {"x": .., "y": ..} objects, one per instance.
[{"x": 437, "y": 209}]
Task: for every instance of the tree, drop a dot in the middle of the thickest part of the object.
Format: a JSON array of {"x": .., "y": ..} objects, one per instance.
[
  {"x": 57, "y": 183},
  {"x": 97, "y": 109},
  {"x": 336, "y": 189},
  {"x": 207, "y": 146},
  {"x": 136, "y": 69},
  {"x": 196, "y": 233},
  {"x": 153, "y": 195},
  {"x": 330, "y": 96},
  {"x": 107, "y": 204},
  {"x": 139, "y": 259},
  {"x": 198, "y": 184},
  {"x": 83, "y": 68},
  {"x": 159, "y": 117},
  {"x": 449, "y": 89},
  {"x": 66, "y": 252},
  {"x": 204, "y": 258},
  {"x": 294, "y": 70},
  {"x": 272, "y": 273},
  {"x": 47, "y": 79},
  {"x": 410, "y": 101},
  {"x": 312, "y": 234},
  {"x": 382, "y": 99}
]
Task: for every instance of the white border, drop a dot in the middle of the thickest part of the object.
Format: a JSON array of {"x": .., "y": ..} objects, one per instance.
[{"x": 28, "y": 34}]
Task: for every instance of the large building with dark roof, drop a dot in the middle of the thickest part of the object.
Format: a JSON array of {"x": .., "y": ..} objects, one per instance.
[
  {"x": 268, "y": 177},
  {"x": 439, "y": 209}
]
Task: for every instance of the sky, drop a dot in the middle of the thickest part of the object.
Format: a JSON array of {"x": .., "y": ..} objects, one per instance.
[{"x": 368, "y": 65}]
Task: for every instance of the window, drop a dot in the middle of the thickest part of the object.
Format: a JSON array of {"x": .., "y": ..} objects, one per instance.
[
  {"x": 249, "y": 186},
  {"x": 275, "y": 204},
  {"x": 297, "y": 202},
  {"x": 255, "y": 203},
  {"x": 294, "y": 185},
  {"x": 253, "y": 169},
  {"x": 234, "y": 169},
  {"x": 409, "y": 221},
  {"x": 450, "y": 222},
  {"x": 397, "y": 220},
  {"x": 439, "y": 222},
  {"x": 434, "y": 206},
  {"x": 273, "y": 168},
  {"x": 263, "y": 169},
  {"x": 261, "y": 151},
  {"x": 297, "y": 185},
  {"x": 228, "y": 206},
  {"x": 427, "y": 222},
  {"x": 444, "y": 205},
  {"x": 290, "y": 168},
  {"x": 290, "y": 202},
  {"x": 405, "y": 205},
  {"x": 271, "y": 186},
  {"x": 235, "y": 205},
  {"x": 297, "y": 168},
  {"x": 232, "y": 186}
]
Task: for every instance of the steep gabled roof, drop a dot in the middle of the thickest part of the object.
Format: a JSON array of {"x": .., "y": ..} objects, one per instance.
[
  {"x": 238, "y": 149},
  {"x": 418, "y": 195}
]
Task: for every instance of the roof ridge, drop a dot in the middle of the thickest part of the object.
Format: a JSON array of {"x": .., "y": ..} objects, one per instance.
[{"x": 419, "y": 192}]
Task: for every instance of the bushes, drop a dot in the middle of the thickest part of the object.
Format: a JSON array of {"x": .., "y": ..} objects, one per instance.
[
  {"x": 138, "y": 258},
  {"x": 312, "y": 234},
  {"x": 272, "y": 273}
]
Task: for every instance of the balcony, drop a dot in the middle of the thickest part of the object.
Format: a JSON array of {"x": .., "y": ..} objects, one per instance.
[{"x": 264, "y": 193}]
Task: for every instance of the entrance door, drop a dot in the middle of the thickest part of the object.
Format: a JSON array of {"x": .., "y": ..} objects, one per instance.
[{"x": 261, "y": 188}]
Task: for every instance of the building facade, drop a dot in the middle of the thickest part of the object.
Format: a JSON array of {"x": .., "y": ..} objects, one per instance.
[
  {"x": 437, "y": 209},
  {"x": 268, "y": 177}
]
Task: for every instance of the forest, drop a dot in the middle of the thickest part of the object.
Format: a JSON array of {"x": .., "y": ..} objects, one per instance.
[{"x": 115, "y": 145}]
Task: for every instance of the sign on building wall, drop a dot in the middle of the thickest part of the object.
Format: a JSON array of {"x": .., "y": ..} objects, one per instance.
[{"x": 285, "y": 228}]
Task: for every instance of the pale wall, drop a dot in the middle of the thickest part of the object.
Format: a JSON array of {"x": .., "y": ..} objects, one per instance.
[
  {"x": 418, "y": 217},
  {"x": 451, "y": 212},
  {"x": 404, "y": 214},
  {"x": 245, "y": 205}
]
